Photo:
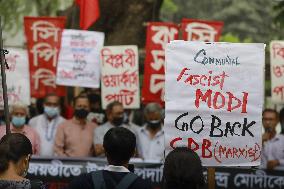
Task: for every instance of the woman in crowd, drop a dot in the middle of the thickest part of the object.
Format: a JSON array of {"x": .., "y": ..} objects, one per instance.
[
  {"x": 18, "y": 114},
  {"x": 183, "y": 170},
  {"x": 16, "y": 151}
]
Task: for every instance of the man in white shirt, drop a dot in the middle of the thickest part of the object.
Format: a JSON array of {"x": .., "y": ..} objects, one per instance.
[
  {"x": 273, "y": 143},
  {"x": 46, "y": 124},
  {"x": 115, "y": 116},
  {"x": 150, "y": 138}
]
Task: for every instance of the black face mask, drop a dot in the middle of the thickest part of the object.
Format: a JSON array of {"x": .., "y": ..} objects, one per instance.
[
  {"x": 154, "y": 124},
  {"x": 81, "y": 113},
  {"x": 117, "y": 121}
]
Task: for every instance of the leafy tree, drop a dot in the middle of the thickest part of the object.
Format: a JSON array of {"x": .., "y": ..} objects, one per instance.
[
  {"x": 12, "y": 11},
  {"x": 279, "y": 8},
  {"x": 242, "y": 18}
]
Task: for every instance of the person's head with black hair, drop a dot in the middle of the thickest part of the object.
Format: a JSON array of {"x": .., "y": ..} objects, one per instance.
[
  {"x": 51, "y": 105},
  {"x": 115, "y": 113},
  {"x": 270, "y": 118},
  {"x": 119, "y": 144},
  {"x": 16, "y": 150},
  {"x": 182, "y": 170},
  {"x": 81, "y": 107}
]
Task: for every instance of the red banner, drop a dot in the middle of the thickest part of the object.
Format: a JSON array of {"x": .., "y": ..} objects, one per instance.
[
  {"x": 43, "y": 41},
  {"x": 158, "y": 35},
  {"x": 201, "y": 30}
]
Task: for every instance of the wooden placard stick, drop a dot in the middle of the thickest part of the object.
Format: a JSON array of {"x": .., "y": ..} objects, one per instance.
[
  {"x": 4, "y": 85},
  {"x": 211, "y": 177}
]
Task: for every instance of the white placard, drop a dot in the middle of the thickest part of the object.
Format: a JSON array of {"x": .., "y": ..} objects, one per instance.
[
  {"x": 17, "y": 77},
  {"x": 277, "y": 71},
  {"x": 78, "y": 62},
  {"x": 120, "y": 76},
  {"x": 214, "y": 98}
]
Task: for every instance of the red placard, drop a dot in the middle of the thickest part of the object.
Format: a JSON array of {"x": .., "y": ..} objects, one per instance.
[
  {"x": 43, "y": 41},
  {"x": 201, "y": 30},
  {"x": 158, "y": 35}
]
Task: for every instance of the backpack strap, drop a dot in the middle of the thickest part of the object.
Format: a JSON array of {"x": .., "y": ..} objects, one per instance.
[
  {"x": 126, "y": 181},
  {"x": 98, "y": 180}
]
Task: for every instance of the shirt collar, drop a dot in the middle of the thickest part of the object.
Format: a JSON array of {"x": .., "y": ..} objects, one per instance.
[
  {"x": 159, "y": 133},
  {"x": 22, "y": 131},
  {"x": 114, "y": 168},
  {"x": 276, "y": 138}
]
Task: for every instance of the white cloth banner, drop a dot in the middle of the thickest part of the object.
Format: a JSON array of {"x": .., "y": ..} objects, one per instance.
[
  {"x": 17, "y": 77},
  {"x": 277, "y": 71},
  {"x": 120, "y": 76},
  {"x": 214, "y": 98},
  {"x": 78, "y": 62}
]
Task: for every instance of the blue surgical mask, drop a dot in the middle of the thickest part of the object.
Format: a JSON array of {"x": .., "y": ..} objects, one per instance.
[
  {"x": 18, "y": 121},
  {"x": 51, "y": 111}
]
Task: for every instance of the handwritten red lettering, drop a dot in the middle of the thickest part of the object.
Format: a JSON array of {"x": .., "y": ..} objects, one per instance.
[
  {"x": 203, "y": 79},
  {"x": 118, "y": 60},
  {"x": 223, "y": 152},
  {"x": 230, "y": 96},
  {"x": 124, "y": 96},
  {"x": 279, "y": 91},
  {"x": 127, "y": 79}
]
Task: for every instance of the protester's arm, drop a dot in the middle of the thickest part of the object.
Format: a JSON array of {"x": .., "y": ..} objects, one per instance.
[
  {"x": 59, "y": 142},
  {"x": 99, "y": 149},
  {"x": 98, "y": 141}
]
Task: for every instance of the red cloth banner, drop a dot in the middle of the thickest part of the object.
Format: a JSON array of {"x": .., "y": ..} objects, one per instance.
[
  {"x": 43, "y": 42},
  {"x": 158, "y": 35},
  {"x": 89, "y": 12},
  {"x": 201, "y": 30}
]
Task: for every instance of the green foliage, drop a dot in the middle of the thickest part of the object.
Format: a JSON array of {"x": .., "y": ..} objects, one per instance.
[
  {"x": 229, "y": 37},
  {"x": 246, "y": 19},
  {"x": 279, "y": 8},
  {"x": 169, "y": 8},
  {"x": 12, "y": 11}
]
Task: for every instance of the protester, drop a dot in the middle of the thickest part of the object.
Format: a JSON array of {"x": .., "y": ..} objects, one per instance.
[
  {"x": 96, "y": 114},
  {"x": 119, "y": 144},
  {"x": 270, "y": 118},
  {"x": 18, "y": 125},
  {"x": 273, "y": 143},
  {"x": 74, "y": 137},
  {"x": 150, "y": 137},
  {"x": 183, "y": 170},
  {"x": 115, "y": 116},
  {"x": 46, "y": 124},
  {"x": 16, "y": 151}
]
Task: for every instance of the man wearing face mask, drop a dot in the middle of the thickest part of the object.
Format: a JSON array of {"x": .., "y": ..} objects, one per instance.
[
  {"x": 115, "y": 116},
  {"x": 74, "y": 137},
  {"x": 150, "y": 138},
  {"x": 46, "y": 124},
  {"x": 273, "y": 143},
  {"x": 18, "y": 125}
]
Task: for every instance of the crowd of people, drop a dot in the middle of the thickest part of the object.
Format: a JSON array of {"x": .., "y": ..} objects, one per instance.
[
  {"x": 82, "y": 134},
  {"x": 88, "y": 134}
]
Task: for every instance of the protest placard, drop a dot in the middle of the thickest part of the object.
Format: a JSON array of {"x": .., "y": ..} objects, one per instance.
[
  {"x": 277, "y": 71},
  {"x": 120, "y": 76},
  {"x": 201, "y": 30},
  {"x": 158, "y": 35},
  {"x": 78, "y": 62},
  {"x": 214, "y": 98},
  {"x": 17, "y": 77},
  {"x": 43, "y": 43}
]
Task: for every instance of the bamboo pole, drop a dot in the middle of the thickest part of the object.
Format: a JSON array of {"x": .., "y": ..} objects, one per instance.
[{"x": 4, "y": 85}]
